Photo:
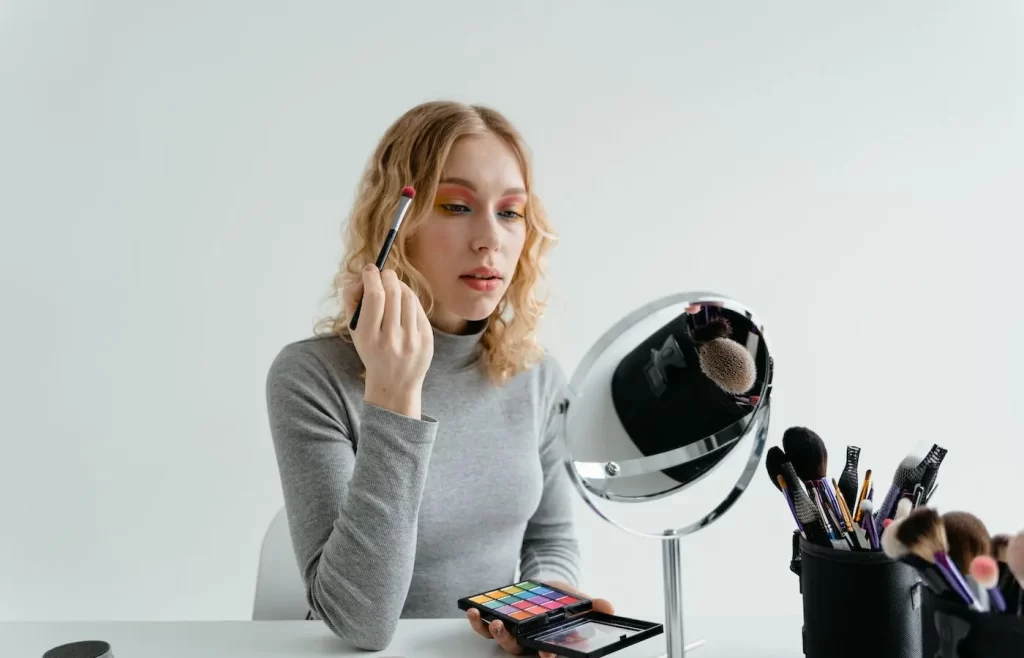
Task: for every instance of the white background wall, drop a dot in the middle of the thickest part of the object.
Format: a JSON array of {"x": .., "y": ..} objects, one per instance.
[{"x": 174, "y": 177}]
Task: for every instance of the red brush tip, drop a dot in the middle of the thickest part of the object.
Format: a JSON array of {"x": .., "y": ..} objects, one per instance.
[
  {"x": 985, "y": 571},
  {"x": 886, "y": 523},
  {"x": 409, "y": 192}
]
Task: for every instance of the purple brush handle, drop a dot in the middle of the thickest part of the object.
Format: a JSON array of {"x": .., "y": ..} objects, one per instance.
[
  {"x": 998, "y": 602},
  {"x": 955, "y": 578},
  {"x": 792, "y": 508}
]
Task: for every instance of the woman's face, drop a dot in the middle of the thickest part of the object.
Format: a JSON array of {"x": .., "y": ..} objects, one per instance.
[{"x": 470, "y": 243}]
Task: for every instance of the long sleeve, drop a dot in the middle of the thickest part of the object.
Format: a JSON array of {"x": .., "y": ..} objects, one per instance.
[
  {"x": 352, "y": 505},
  {"x": 550, "y": 549}
]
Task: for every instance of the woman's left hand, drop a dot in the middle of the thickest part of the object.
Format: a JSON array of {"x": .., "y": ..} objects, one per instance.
[{"x": 496, "y": 630}]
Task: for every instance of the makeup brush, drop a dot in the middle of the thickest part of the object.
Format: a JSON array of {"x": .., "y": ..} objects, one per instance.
[
  {"x": 723, "y": 360},
  {"x": 784, "y": 488},
  {"x": 903, "y": 508},
  {"x": 985, "y": 571},
  {"x": 849, "y": 478},
  {"x": 923, "y": 533},
  {"x": 910, "y": 472},
  {"x": 928, "y": 482},
  {"x": 897, "y": 550},
  {"x": 900, "y": 479},
  {"x": 967, "y": 537},
  {"x": 806, "y": 515},
  {"x": 863, "y": 495},
  {"x": 999, "y": 545},
  {"x": 773, "y": 461},
  {"x": 867, "y": 521},
  {"x": 809, "y": 456},
  {"x": 404, "y": 201},
  {"x": 1015, "y": 556}
]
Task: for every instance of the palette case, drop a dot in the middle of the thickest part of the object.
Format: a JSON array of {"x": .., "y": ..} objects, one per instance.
[{"x": 545, "y": 618}]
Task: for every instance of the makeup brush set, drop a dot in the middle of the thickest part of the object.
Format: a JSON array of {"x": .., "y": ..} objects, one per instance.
[{"x": 928, "y": 584}]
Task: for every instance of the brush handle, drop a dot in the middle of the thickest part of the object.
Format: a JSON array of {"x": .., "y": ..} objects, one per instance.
[
  {"x": 849, "y": 479},
  {"x": 956, "y": 579},
  {"x": 996, "y": 597},
  {"x": 889, "y": 503},
  {"x": 382, "y": 258}
]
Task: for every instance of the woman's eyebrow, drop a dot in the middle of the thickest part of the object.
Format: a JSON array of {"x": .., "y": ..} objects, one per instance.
[{"x": 454, "y": 180}]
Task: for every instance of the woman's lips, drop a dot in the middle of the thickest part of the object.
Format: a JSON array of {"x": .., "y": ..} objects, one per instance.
[{"x": 480, "y": 284}]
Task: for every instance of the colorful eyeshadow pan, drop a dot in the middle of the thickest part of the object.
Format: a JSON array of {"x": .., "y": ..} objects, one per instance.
[
  {"x": 537, "y": 610},
  {"x": 552, "y": 605},
  {"x": 493, "y": 604},
  {"x": 495, "y": 594},
  {"x": 522, "y": 605},
  {"x": 526, "y": 585},
  {"x": 511, "y": 590},
  {"x": 520, "y": 615},
  {"x": 509, "y": 600},
  {"x": 538, "y": 599},
  {"x": 507, "y": 610},
  {"x": 480, "y": 599},
  {"x": 566, "y": 600}
]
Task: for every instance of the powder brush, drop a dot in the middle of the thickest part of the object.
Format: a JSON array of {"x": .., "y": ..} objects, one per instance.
[{"x": 923, "y": 533}]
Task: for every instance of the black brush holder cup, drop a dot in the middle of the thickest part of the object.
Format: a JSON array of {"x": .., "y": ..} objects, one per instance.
[
  {"x": 952, "y": 630},
  {"x": 857, "y": 603}
]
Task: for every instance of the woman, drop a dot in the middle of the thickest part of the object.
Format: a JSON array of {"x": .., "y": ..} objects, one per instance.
[{"x": 418, "y": 453}]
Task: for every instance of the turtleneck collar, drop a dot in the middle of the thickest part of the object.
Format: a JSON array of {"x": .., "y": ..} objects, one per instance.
[{"x": 457, "y": 351}]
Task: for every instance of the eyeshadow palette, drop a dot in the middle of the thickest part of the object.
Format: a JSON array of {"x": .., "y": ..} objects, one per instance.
[
  {"x": 524, "y": 605},
  {"x": 545, "y": 618}
]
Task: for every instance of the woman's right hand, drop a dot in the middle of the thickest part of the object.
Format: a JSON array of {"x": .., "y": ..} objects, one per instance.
[{"x": 393, "y": 338}]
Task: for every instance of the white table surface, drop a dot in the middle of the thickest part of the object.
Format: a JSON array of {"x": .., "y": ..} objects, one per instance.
[{"x": 415, "y": 638}]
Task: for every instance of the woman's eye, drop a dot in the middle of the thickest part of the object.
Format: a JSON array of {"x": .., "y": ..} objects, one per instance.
[
  {"x": 454, "y": 207},
  {"x": 511, "y": 214}
]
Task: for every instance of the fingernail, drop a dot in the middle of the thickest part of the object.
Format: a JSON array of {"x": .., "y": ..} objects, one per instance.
[{"x": 370, "y": 267}]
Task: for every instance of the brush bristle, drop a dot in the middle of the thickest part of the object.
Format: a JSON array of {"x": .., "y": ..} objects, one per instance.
[
  {"x": 773, "y": 461},
  {"x": 806, "y": 451},
  {"x": 1015, "y": 556},
  {"x": 717, "y": 328},
  {"x": 921, "y": 532},
  {"x": 967, "y": 536},
  {"x": 985, "y": 571},
  {"x": 999, "y": 546},
  {"x": 891, "y": 545},
  {"x": 729, "y": 365},
  {"x": 903, "y": 508},
  {"x": 408, "y": 192}
]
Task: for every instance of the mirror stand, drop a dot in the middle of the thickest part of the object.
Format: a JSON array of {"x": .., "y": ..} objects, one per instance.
[{"x": 672, "y": 568}]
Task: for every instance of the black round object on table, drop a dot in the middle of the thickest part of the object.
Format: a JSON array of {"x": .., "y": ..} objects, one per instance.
[{"x": 86, "y": 649}]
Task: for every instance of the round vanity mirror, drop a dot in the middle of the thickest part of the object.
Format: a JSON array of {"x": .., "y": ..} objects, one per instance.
[{"x": 674, "y": 398}]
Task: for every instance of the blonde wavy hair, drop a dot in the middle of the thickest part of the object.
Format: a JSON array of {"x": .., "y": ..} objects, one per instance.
[{"x": 413, "y": 151}]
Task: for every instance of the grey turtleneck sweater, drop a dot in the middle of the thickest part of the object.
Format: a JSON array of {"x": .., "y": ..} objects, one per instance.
[{"x": 394, "y": 516}]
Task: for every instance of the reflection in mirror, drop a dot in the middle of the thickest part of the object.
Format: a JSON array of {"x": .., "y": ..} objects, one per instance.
[{"x": 662, "y": 408}]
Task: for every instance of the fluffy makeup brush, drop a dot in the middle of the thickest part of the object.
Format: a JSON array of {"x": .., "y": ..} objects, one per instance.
[
  {"x": 773, "y": 461},
  {"x": 967, "y": 537},
  {"x": 923, "y": 533},
  {"x": 903, "y": 508},
  {"x": 727, "y": 363},
  {"x": 897, "y": 550},
  {"x": 985, "y": 571},
  {"x": 850, "y": 478},
  {"x": 807, "y": 453},
  {"x": 809, "y": 456},
  {"x": 867, "y": 521}
]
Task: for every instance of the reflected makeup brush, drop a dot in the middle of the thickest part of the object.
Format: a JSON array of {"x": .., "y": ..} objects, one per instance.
[
  {"x": 404, "y": 201},
  {"x": 848, "y": 480},
  {"x": 985, "y": 571},
  {"x": 924, "y": 534}
]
